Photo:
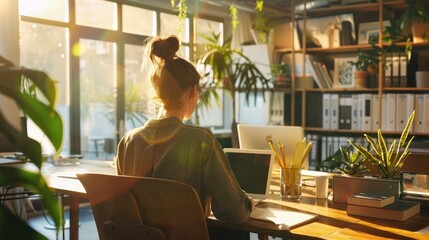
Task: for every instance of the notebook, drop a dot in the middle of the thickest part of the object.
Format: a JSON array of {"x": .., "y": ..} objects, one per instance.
[
  {"x": 252, "y": 168},
  {"x": 255, "y": 137}
]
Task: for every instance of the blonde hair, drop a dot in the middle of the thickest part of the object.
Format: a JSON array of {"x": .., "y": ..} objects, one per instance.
[{"x": 169, "y": 75}]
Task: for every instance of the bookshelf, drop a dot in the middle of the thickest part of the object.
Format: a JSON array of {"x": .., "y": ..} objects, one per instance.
[{"x": 304, "y": 102}]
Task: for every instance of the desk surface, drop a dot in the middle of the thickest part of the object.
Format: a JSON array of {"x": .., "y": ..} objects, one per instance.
[{"x": 332, "y": 223}]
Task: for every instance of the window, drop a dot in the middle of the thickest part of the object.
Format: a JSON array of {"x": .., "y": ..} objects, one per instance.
[
  {"x": 97, "y": 67},
  {"x": 104, "y": 67},
  {"x": 170, "y": 25},
  {"x": 56, "y": 10},
  {"x": 139, "y": 21},
  {"x": 45, "y": 48},
  {"x": 97, "y": 13}
]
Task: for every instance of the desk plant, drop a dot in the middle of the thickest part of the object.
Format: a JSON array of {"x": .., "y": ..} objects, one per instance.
[
  {"x": 388, "y": 159},
  {"x": 42, "y": 113},
  {"x": 352, "y": 162}
]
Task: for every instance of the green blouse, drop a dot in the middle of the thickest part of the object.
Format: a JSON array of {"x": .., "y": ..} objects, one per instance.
[{"x": 166, "y": 148}]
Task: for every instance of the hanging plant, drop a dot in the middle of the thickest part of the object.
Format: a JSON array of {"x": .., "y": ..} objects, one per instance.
[
  {"x": 233, "y": 14},
  {"x": 182, "y": 9}
]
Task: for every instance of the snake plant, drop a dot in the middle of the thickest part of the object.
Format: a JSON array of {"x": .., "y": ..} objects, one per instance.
[
  {"x": 388, "y": 159},
  {"x": 352, "y": 162}
]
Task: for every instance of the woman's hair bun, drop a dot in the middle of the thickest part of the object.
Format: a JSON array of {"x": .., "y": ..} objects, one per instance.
[{"x": 166, "y": 48}]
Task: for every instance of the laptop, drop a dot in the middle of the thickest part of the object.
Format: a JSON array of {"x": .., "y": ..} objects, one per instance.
[
  {"x": 255, "y": 137},
  {"x": 252, "y": 168}
]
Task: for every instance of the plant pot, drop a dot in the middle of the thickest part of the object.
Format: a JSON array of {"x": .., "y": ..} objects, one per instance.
[
  {"x": 344, "y": 185},
  {"x": 422, "y": 79},
  {"x": 371, "y": 80},
  {"x": 360, "y": 79},
  {"x": 282, "y": 80},
  {"x": 420, "y": 32}
]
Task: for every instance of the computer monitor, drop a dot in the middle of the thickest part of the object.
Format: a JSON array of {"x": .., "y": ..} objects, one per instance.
[{"x": 255, "y": 137}]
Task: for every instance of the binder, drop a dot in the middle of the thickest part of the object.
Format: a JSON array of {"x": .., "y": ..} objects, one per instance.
[
  {"x": 383, "y": 117},
  {"x": 395, "y": 71},
  {"x": 375, "y": 113},
  {"x": 390, "y": 112},
  {"x": 403, "y": 63},
  {"x": 388, "y": 72},
  {"x": 404, "y": 108},
  {"x": 345, "y": 111},
  {"x": 366, "y": 111},
  {"x": 426, "y": 113},
  {"x": 326, "y": 111},
  {"x": 334, "y": 110},
  {"x": 420, "y": 112},
  {"x": 355, "y": 112}
]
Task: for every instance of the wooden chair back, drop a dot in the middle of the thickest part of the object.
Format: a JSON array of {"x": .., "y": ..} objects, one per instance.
[{"x": 126, "y": 207}]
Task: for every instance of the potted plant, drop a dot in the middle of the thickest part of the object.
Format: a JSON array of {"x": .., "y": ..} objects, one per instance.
[
  {"x": 388, "y": 160},
  {"x": 232, "y": 71},
  {"x": 366, "y": 63},
  {"x": 352, "y": 162},
  {"x": 280, "y": 73},
  {"x": 418, "y": 16},
  {"x": 43, "y": 114}
]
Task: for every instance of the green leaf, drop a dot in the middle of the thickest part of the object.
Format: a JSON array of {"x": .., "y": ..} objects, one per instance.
[
  {"x": 34, "y": 182},
  {"x": 13, "y": 228}
]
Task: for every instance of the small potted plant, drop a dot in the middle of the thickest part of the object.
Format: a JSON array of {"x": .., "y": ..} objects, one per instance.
[
  {"x": 388, "y": 160},
  {"x": 366, "y": 64},
  {"x": 280, "y": 73},
  {"x": 352, "y": 162},
  {"x": 418, "y": 16}
]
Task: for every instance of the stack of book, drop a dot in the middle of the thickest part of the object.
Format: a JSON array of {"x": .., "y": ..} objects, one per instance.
[{"x": 379, "y": 206}]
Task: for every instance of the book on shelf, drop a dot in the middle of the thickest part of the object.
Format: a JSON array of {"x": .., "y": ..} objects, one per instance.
[
  {"x": 320, "y": 74},
  {"x": 370, "y": 199},
  {"x": 399, "y": 210}
]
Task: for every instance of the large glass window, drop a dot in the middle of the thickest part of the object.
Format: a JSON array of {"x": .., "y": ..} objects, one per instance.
[
  {"x": 45, "y": 48},
  {"x": 56, "y": 10},
  {"x": 170, "y": 25},
  {"x": 97, "y": 13},
  {"x": 139, "y": 21},
  {"x": 135, "y": 108},
  {"x": 213, "y": 115},
  {"x": 98, "y": 73}
]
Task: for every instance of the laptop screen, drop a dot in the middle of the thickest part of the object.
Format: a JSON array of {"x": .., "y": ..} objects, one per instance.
[{"x": 252, "y": 168}]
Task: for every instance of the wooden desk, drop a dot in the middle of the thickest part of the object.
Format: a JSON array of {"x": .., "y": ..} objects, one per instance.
[{"x": 332, "y": 223}]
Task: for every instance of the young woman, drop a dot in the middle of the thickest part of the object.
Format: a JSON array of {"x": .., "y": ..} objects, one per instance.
[{"x": 166, "y": 148}]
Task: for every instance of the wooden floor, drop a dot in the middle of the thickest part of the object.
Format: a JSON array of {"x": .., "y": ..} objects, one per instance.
[{"x": 87, "y": 228}]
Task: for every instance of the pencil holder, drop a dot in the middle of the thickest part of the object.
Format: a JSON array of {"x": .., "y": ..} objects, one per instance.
[{"x": 290, "y": 183}]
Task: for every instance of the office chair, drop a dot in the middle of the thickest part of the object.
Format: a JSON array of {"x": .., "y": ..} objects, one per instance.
[{"x": 126, "y": 207}]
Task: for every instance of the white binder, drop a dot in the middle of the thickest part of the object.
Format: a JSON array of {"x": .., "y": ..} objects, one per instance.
[
  {"x": 355, "y": 112},
  {"x": 326, "y": 111},
  {"x": 426, "y": 113},
  {"x": 390, "y": 112},
  {"x": 420, "y": 112},
  {"x": 404, "y": 108},
  {"x": 334, "y": 110},
  {"x": 375, "y": 113}
]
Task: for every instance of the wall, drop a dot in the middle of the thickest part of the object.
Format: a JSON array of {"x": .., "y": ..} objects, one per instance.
[{"x": 9, "y": 49}]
